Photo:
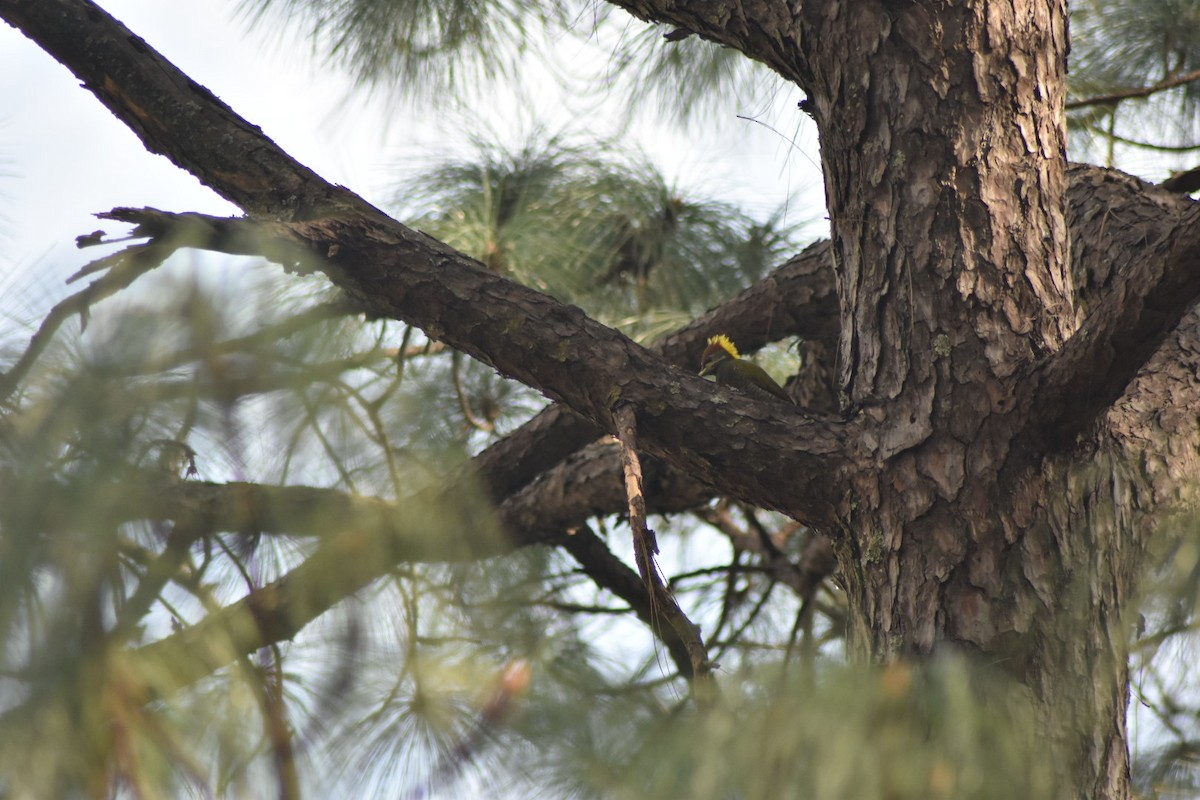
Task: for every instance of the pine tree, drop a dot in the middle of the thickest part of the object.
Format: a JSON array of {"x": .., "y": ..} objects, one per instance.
[{"x": 376, "y": 522}]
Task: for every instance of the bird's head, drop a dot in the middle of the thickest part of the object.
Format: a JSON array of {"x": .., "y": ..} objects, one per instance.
[{"x": 719, "y": 349}]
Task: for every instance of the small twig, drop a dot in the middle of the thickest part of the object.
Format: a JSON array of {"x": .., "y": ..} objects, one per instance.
[
  {"x": 464, "y": 402},
  {"x": 791, "y": 142},
  {"x": 579, "y": 608},
  {"x": 123, "y": 269},
  {"x": 1161, "y": 148},
  {"x": 735, "y": 638},
  {"x": 722, "y": 570},
  {"x": 769, "y": 547},
  {"x": 776, "y": 563},
  {"x": 400, "y": 355},
  {"x": 645, "y": 547},
  {"x": 614, "y": 575},
  {"x": 1130, "y": 94},
  {"x": 239, "y": 236},
  {"x": 162, "y": 569},
  {"x": 167, "y": 233}
]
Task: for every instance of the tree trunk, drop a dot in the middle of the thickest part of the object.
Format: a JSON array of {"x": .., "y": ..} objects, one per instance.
[{"x": 942, "y": 138}]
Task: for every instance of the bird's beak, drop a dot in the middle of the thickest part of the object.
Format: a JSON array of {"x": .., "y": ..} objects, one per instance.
[{"x": 707, "y": 368}]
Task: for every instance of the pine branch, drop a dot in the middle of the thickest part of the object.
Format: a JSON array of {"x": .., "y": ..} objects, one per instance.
[
  {"x": 663, "y": 605},
  {"x": 772, "y": 38},
  {"x": 1130, "y": 94},
  {"x": 1138, "y": 306},
  {"x": 424, "y": 277},
  {"x": 1161, "y": 148}
]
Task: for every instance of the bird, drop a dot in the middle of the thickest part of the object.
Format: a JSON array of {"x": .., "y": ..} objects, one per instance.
[{"x": 722, "y": 361}]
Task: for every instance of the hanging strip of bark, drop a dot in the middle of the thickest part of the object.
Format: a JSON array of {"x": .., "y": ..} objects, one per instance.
[{"x": 663, "y": 606}]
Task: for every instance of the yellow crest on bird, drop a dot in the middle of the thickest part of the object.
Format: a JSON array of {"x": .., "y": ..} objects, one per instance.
[
  {"x": 723, "y": 342},
  {"x": 721, "y": 360}
]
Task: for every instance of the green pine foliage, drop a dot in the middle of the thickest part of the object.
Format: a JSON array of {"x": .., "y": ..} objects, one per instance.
[
  {"x": 428, "y": 49},
  {"x": 585, "y": 226}
]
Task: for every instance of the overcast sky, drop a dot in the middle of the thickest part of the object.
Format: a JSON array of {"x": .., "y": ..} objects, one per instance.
[{"x": 65, "y": 156}]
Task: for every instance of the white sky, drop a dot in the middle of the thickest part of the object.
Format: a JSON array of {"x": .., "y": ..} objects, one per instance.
[{"x": 63, "y": 157}]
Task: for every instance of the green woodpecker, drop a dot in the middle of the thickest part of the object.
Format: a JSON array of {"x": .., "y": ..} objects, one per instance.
[{"x": 721, "y": 359}]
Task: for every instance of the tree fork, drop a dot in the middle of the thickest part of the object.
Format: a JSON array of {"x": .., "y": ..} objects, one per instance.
[
  {"x": 399, "y": 273},
  {"x": 943, "y": 147}
]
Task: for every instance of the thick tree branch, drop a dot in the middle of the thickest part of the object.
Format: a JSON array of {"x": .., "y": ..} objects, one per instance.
[
  {"x": 1134, "y": 305},
  {"x": 798, "y": 300},
  {"x": 766, "y": 32},
  {"x": 588, "y": 484},
  {"x": 734, "y": 442},
  {"x": 1109, "y": 214}
]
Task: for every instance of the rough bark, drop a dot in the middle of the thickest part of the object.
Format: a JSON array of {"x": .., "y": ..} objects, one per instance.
[{"x": 942, "y": 136}]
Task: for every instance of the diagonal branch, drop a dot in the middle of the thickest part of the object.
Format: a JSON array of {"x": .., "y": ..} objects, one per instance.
[
  {"x": 797, "y": 299},
  {"x": 662, "y": 603},
  {"x": 395, "y": 272},
  {"x": 1135, "y": 307}
]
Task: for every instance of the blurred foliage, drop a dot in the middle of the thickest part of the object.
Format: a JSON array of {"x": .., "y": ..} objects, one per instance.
[
  {"x": 127, "y": 560},
  {"x": 177, "y": 382},
  {"x": 1123, "y": 45},
  {"x": 609, "y": 234},
  {"x": 1166, "y": 694},
  {"x": 448, "y": 53},
  {"x": 941, "y": 729},
  {"x": 430, "y": 49},
  {"x": 684, "y": 78}
]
